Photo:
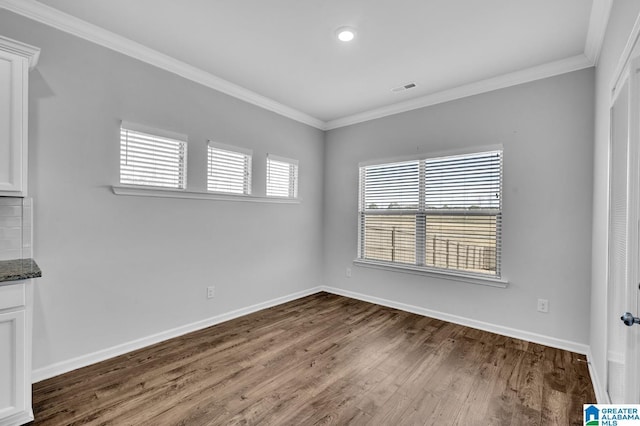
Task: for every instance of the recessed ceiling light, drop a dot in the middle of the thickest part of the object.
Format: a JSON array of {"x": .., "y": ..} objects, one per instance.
[{"x": 345, "y": 34}]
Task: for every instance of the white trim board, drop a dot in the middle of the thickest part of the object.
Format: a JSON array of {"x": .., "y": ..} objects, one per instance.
[
  {"x": 31, "y": 53},
  {"x": 62, "y": 367},
  {"x": 64, "y": 22},
  {"x": 602, "y": 397},
  {"x": 539, "y": 72},
  {"x": 107, "y": 353},
  {"x": 600, "y": 11},
  {"x": 467, "y": 322},
  {"x": 159, "y": 192},
  {"x": 625, "y": 57}
]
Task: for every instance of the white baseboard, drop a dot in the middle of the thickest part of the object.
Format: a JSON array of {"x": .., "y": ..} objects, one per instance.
[
  {"x": 17, "y": 419},
  {"x": 104, "y": 354},
  {"x": 468, "y": 322},
  {"x": 602, "y": 397}
]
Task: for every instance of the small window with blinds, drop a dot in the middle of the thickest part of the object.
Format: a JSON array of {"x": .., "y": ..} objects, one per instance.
[
  {"x": 441, "y": 214},
  {"x": 282, "y": 177},
  {"x": 150, "y": 157},
  {"x": 229, "y": 169}
]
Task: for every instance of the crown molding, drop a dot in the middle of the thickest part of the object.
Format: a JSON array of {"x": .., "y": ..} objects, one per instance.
[
  {"x": 64, "y": 22},
  {"x": 625, "y": 56},
  {"x": 598, "y": 21},
  {"x": 550, "y": 69},
  {"x": 31, "y": 53},
  {"x": 52, "y": 17}
]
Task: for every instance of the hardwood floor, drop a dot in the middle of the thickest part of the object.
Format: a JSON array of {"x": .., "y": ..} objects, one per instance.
[{"x": 325, "y": 359}]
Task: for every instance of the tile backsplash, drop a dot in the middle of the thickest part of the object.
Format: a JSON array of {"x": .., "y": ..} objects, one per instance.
[{"x": 15, "y": 228}]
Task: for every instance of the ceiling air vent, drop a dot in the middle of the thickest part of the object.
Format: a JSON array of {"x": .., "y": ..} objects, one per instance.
[{"x": 403, "y": 88}]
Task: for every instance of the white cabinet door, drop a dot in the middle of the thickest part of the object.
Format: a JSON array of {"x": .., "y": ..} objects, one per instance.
[
  {"x": 13, "y": 121},
  {"x": 13, "y": 372}
]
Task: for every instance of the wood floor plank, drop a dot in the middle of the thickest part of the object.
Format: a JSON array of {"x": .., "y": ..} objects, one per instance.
[
  {"x": 478, "y": 399},
  {"x": 529, "y": 385},
  {"x": 325, "y": 359},
  {"x": 503, "y": 393}
]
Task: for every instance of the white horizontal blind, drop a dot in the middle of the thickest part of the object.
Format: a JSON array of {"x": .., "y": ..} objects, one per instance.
[
  {"x": 463, "y": 205},
  {"x": 395, "y": 189},
  {"x": 389, "y": 238},
  {"x": 392, "y": 186},
  {"x": 228, "y": 170},
  {"x": 436, "y": 213},
  {"x": 282, "y": 177},
  {"x": 152, "y": 160}
]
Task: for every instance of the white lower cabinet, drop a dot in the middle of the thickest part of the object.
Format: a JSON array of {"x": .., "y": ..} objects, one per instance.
[{"x": 15, "y": 353}]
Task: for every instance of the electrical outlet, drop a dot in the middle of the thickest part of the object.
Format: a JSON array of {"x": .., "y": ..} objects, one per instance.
[
  {"x": 543, "y": 305},
  {"x": 348, "y": 273},
  {"x": 211, "y": 291}
]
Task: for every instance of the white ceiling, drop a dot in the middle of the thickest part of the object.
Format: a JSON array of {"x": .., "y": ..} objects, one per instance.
[{"x": 286, "y": 50}]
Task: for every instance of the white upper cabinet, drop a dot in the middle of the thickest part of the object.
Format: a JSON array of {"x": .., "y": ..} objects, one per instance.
[{"x": 15, "y": 61}]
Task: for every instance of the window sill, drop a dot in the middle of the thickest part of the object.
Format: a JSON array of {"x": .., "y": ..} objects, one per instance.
[
  {"x": 214, "y": 196},
  {"x": 448, "y": 275}
]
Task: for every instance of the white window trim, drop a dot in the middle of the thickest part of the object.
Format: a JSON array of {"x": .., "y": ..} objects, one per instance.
[
  {"x": 153, "y": 131},
  {"x": 236, "y": 149},
  {"x": 481, "y": 279},
  {"x": 136, "y": 127},
  {"x": 435, "y": 154},
  {"x": 297, "y": 183},
  {"x": 282, "y": 159},
  {"x": 433, "y": 272},
  {"x": 233, "y": 148},
  {"x": 147, "y": 191}
]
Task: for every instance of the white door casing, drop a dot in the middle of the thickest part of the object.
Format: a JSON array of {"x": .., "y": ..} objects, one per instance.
[{"x": 623, "y": 385}]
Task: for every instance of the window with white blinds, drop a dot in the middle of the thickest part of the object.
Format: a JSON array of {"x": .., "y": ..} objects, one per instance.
[
  {"x": 282, "y": 177},
  {"x": 437, "y": 213},
  {"x": 229, "y": 169},
  {"x": 152, "y": 159}
]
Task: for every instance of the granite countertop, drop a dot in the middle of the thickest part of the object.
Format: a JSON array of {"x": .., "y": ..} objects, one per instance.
[{"x": 18, "y": 269}]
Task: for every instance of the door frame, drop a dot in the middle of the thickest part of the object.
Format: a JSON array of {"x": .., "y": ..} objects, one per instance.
[
  {"x": 633, "y": 247},
  {"x": 628, "y": 71}
]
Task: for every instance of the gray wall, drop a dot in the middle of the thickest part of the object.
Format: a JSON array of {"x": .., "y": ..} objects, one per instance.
[
  {"x": 623, "y": 15},
  {"x": 119, "y": 268},
  {"x": 546, "y": 128}
]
